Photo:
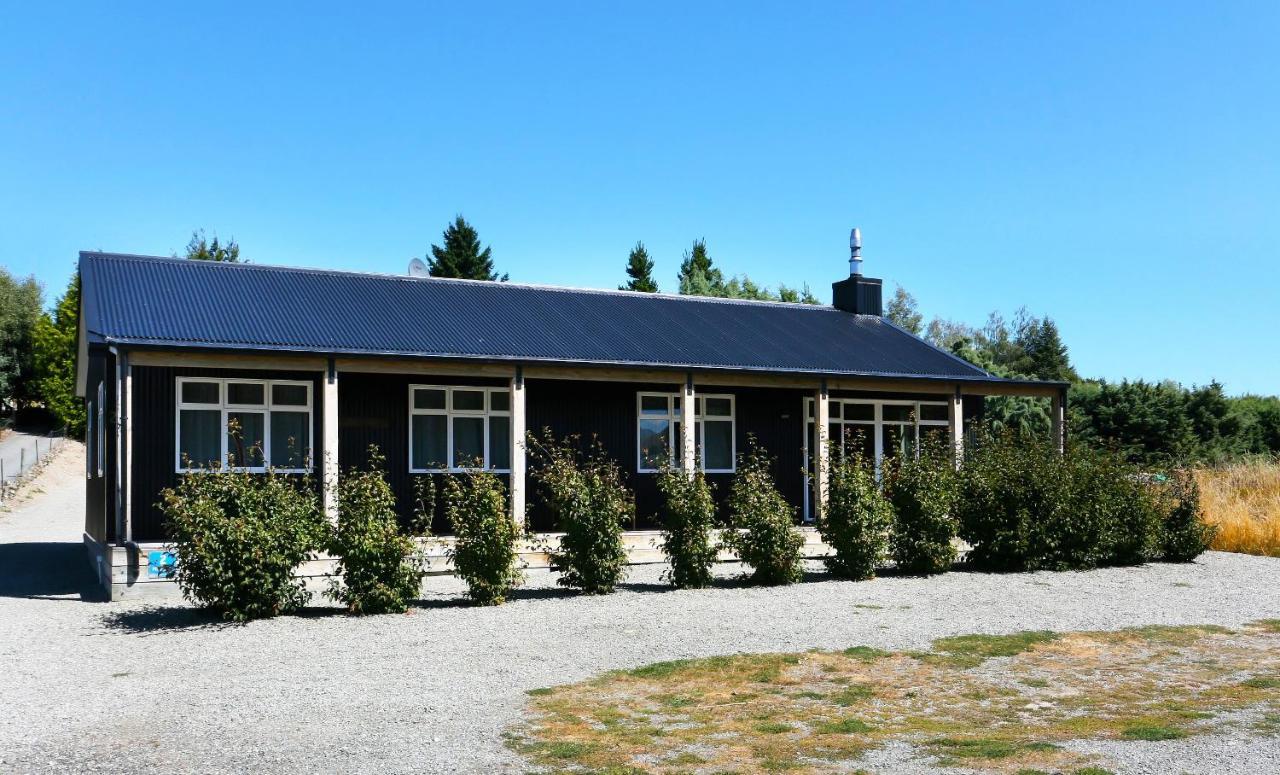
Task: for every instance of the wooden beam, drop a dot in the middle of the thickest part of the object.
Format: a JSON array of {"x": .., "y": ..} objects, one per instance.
[
  {"x": 329, "y": 466},
  {"x": 272, "y": 361},
  {"x": 822, "y": 460},
  {"x": 1058, "y": 413},
  {"x": 955, "y": 421},
  {"x": 688, "y": 428},
  {"x": 518, "y": 447},
  {"x": 426, "y": 367}
]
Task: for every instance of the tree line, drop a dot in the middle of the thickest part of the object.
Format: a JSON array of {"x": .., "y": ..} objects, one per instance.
[{"x": 1149, "y": 422}]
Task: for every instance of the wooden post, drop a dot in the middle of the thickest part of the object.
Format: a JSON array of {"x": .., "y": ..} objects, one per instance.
[
  {"x": 329, "y": 466},
  {"x": 688, "y": 428},
  {"x": 518, "y": 447},
  {"x": 955, "y": 418},
  {"x": 822, "y": 461},
  {"x": 1058, "y": 413}
]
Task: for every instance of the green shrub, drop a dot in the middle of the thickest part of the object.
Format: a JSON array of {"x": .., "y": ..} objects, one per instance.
[
  {"x": 485, "y": 535},
  {"x": 1184, "y": 533},
  {"x": 688, "y": 516},
  {"x": 922, "y": 491},
  {"x": 763, "y": 535},
  {"x": 856, "y": 519},
  {"x": 376, "y": 562},
  {"x": 590, "y": 504},
  {"x": 1124, "y": 505},
  {"x": 239, "y": 537}
]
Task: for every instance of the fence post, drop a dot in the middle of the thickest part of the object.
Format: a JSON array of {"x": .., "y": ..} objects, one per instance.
[
  {"x": 22, "y": 460},
  {"x": 37, "y": 446}
]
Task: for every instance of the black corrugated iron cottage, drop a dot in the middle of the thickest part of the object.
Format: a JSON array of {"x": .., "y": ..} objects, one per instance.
[{"x": 316, "y": 366}]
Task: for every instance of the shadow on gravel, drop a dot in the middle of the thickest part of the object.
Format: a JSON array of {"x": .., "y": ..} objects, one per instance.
[
  {"x": 158, "y": 619},
  {"x": 46, "y": 570}
]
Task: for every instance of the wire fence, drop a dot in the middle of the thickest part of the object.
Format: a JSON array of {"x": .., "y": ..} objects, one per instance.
[{"x": 21, "y": 453}]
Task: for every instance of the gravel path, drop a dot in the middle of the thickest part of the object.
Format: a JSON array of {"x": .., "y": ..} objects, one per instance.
[{"x": 132, "y": 688}]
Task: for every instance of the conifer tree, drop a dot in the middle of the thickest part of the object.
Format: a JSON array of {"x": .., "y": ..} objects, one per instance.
[
  {"x": 198, "y": 249},
  {"x": 640, "y": 270},
  {"x": 54, "y": 353},
  {"x": 462, "y": 255},
  {"x": 698, "y": 277}
]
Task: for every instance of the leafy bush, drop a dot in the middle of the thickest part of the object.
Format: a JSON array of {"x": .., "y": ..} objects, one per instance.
[
  {"x": 1184, "y": 533},
  {"x": 922, "y": 491},
  {"x": 376, "y": 562},
  {"x": 1123, "y": 504},
  {"x": 485, "y": 535},
  {"x": 240, "y": 536},
  {"x": 590, "y": 504},
  {"x": 763, "y": 535},
  {"x": 688, "y": 516},
  {"x": 856, "y": 519}
]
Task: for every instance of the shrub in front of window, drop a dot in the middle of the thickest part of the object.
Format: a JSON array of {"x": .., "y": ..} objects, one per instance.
[
  {"x": 922, "y": 491},
  {"x": 763, "y": 533},
  {"x": 590, "y": 504},
  {"x": 688, "y": 517},
  {"x": 239, "y": 537},
  {"x": 484, "y": 548},
  {"x": 856, "y": 519},
  {"x": 1184, "y": 535},
  {"x": 379, "y": 570}
]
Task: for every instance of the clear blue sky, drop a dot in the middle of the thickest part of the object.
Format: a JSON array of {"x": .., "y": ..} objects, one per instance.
[{"x": 1116, "y": 166}]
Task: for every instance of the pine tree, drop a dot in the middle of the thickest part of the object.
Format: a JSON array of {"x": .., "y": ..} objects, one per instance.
[
  {"x": 54, "y": 352},
  {"x": 462, "y": 255},
  {"x": 200, "y": 250},
  {"x": 640, "y": 270},
  {"x": 19, "y": 313},
  {"x": 902, "y": 311},
  {"x": 698, "y": 277}
]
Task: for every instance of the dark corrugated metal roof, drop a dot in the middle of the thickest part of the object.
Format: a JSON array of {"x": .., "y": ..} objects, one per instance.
[{"x": 175, "y": 302}]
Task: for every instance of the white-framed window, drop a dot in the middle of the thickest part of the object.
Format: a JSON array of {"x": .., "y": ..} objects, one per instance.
[
  {"x": 878, "y": 429},
  {"x": 88, "y": 441},
  {"x": 459, "y": 428},
  {"x": 246, "y": 423},
  {"x": 101, "y": 440},
  {"x": 659, "y": 439}
]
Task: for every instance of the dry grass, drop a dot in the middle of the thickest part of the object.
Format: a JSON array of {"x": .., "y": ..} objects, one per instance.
[
  {"x": 1243, "y": 501},
  {"x": 1002, "y": 704}
]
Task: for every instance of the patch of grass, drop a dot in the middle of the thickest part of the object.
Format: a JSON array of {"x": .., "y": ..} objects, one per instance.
[
  {"x": 845, "y": 726},
  {"x": 1263, "y": 682},
  {"x": 542, "y": 692},
  {"x": 869, "y": 606},
  {"x": 773, "y": 728},
  {"x": 983, "y": 747},
  {"x": 972, "y": 650},
  {"x": 1151, "y": 732},
  {"x": 852, "y": 694},
  {"x": 1093, "y": 771},
  {"x": 675, "y": 700},
  {"x": 1270, "y": 625},
  {"x": 1035, "y": 683},
  {"x": 562, "y": 749},
  {"x": 865, "y": 653},
  {"x": 1268, "y": 724}
]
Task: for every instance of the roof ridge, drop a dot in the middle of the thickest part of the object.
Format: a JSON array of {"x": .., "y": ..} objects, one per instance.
[{"x": 98, "y": 254}]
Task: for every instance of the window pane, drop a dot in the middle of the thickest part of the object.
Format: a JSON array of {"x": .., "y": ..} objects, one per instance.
[
  {"x": 719, "y": 407},
  {"x": 468, "y": 400},
  {"x": 934, "y": 437},
  {"x": 245, "y": 438},
  {"x": 247, "y": 393},
  {"x": 429, "y": 442},
  {"x": 898, "y": 412},
  {"x": 834, "y": 410},
  {"x": 717, "y": 451},
  {"x": 653, "y": 443},
  {"x": 200, "y": 437},
  {"x": 933, "y": 412},
  {"x": 499, "y": 401},
  {"x": 468, "y": 442},
  {"x": 860, "y": 440},
  {"x": 200, "y": 393},
  {"x": 428, "y": 399},
  {"x": 808, "y": 408},
  {"x": 898, "y": 440},
  {"x": 289, "y": 395},
  {"x": 499, "y": 442},
  {"x": 654, "y": 405},
  {"x": 290, "y": 439},
  {"x": 865, "y": 412}
]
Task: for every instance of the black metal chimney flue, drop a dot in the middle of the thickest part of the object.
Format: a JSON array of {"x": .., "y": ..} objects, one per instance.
[{"x": 857, "y": 294}]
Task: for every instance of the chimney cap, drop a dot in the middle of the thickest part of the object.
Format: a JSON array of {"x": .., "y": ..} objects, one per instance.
[{"x": 855, "y": 239}]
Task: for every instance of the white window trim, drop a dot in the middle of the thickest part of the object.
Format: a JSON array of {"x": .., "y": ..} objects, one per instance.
[
  {"x": 877, "y": 424},
  {"x": 449, "y": 413},
  {"x": 674, "y": 416},
  {"x": 223, "y": 408}
]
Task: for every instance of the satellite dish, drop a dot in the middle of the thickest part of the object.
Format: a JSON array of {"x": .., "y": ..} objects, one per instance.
[{"x": 418, "y": 268}]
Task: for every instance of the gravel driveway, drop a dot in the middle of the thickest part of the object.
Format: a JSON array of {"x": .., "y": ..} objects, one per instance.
[{"x": 133, "y": 688}]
